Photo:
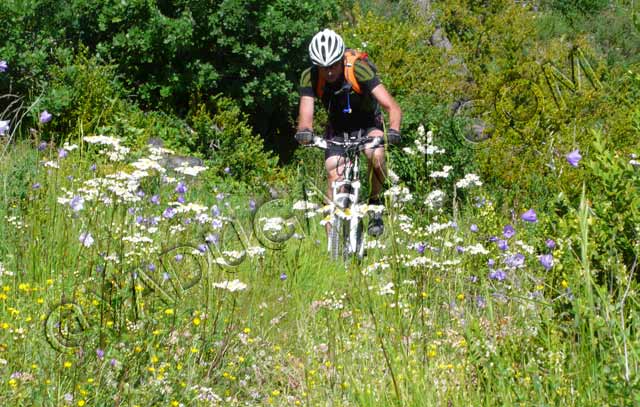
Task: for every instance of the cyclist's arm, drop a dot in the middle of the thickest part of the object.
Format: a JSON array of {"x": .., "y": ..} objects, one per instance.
[
  {"x": 389, "y": 104},
  {"x": 305, "y": 113}
]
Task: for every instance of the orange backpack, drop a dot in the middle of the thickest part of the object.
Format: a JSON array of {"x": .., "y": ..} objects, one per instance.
[{"x": 349, "y": 59}]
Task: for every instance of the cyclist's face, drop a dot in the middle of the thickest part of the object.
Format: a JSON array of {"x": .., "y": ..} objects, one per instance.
[{"x": 332, "y": 72}]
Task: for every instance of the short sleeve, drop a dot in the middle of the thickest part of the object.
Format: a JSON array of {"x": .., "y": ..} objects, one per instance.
[
  {"x": 305, "y": 87},
  {"x": 366, "y": 75}
]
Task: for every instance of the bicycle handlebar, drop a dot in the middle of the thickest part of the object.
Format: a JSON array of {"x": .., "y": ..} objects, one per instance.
[{"x": 361, "y": 143}]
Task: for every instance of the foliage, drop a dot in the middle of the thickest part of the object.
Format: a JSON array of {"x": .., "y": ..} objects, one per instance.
[
  {"x": 414, "y": 168},
  {"x": 613, "y": 183},
  {"x": 17, "y": 175},
  {"x": 82, "y": 96},
  {"x": 169, "y": 53},
  {"x": 538, "y": 97},
  {"x": 145, "y": 309},
  {"x": 400, "y": 48},
  {"x": 230, "y": 146},
  {"x": 612, "y": 186},
  {"x": 570, "y": 8},
  {"x": 612, "y": 28}
]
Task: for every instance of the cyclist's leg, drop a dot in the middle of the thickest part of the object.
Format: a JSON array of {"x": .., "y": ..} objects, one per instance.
[
  {"x": 377, "y": 176},
  {"x": 377, "y": 166}
]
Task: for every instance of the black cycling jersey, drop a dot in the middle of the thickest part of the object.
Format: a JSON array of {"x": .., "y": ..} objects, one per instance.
[{"x": 347, "y": 109}]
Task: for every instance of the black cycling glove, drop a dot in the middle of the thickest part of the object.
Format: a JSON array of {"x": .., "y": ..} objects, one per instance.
[
  {"x": 304, "y": 136},
  {"x": 393, "y": 136}
]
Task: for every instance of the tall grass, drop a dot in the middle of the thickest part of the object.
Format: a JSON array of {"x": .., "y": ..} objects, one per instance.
[{"x": 181, "y": 306}]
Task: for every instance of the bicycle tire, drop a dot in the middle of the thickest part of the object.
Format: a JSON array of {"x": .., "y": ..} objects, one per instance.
[
  {"x": 334, "y": 238},
  {"x": 360, "y": 240},
  {"x": 346, "y": 243},
  {"x": 340, "y": 247}
]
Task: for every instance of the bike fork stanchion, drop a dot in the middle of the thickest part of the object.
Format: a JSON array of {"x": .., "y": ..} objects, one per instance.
[{"x": 346, "y": 235}]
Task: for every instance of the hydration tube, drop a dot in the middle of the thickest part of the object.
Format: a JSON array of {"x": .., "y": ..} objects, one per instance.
[{"x": 348, "y": 108}]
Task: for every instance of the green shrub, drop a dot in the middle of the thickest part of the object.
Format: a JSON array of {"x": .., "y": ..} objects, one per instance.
[
  {"x": 613, "y": 185},
  {"x": 612, "y": 189},
  {"x": 82, "y": 95},
  {"x": 224, "y": 137},
  {"x": 614, "y": 34},
  {"x": 573, "y": 8},
  {"x": 17, "y": 175}
]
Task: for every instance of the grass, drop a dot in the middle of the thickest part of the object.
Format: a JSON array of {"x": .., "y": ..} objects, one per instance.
[{"x": 148, "y": 312}]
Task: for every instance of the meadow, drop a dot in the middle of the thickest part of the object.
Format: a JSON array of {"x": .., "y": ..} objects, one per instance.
[
  {"x": 162, "y": 238},
  {"x": 127, "y": 283}
]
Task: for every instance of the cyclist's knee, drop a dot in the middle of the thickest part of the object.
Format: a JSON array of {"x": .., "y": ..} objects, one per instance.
[
  {"x": 333, "y": 176},
  {"x": 375, "y": 133},
  {"x": 376, "y": 158}
]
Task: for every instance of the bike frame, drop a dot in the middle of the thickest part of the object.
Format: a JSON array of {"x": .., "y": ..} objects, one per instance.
[
  {"x": 346, "y": 191},
  {"x": 346, "y": 202}
]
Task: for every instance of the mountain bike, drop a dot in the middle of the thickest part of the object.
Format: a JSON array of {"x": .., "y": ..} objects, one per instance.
[{"x": 346, "y": 237}]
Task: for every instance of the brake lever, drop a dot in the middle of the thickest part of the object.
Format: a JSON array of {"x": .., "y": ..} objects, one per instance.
[{"x": 319, "y": 142}]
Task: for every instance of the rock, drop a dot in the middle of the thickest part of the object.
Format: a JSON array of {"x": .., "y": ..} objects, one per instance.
[{"x": 173, "y": 161}]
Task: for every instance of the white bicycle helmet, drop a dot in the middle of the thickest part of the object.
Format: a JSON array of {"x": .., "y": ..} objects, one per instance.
[{"x": 326, "y": 48}]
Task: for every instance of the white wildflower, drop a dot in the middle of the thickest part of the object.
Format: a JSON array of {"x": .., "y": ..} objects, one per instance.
[
  {"x": 435, "y": 199},
  {"x": 476, "y": 249},
  {"x": 137, "y": 238},
  {"x": 275, "y": 224},
  {"x": 157, "y": 153},
  {"x": 381, "y": 265},
  {"x": 303, "y": 206},
  {"x": 399, "y": 194},
  {"x": 375, "y": 244},
  {"x": 387, "y": 289},
  {"x": 469, "y": 180},
  {"x": 393, "y": 177},
  {"x": 437, "y": 227},
  {"x": 232, "y": 286},
  {"x": 256, "y": 251},
  {"x": 441, "y": 174},
  {"x": 193, "y": 171},
  {"x": 102, "y": 140},
  {"x": 69, "y": 147},
  {"x": 119, "y": 153},
  {"x": 144, "y": 164},
  {"x": 190, "y": 207},
  {"x": 431, "y": 150},
  {"x": 525, "y": 247}
]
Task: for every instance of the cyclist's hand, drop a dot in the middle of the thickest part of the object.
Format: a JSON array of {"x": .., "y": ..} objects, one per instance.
[
  {"x": 394, "y": 136},
  {"x": 304, "y": 137}
]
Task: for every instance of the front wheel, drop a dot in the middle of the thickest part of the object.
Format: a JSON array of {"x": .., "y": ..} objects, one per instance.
[
  {"x": 359, "y": 240},
  {"x": 337, "y": 238},
  {"x": 345, "y": 242}
]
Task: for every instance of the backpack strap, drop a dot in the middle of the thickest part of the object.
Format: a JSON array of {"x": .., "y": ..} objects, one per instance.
[
  {"x": 349, "y": 60},
  {"x": 322, "y": 79}
]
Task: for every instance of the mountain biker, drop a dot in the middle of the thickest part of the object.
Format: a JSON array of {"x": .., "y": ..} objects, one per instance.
[{"x": 348, "y": 111}]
